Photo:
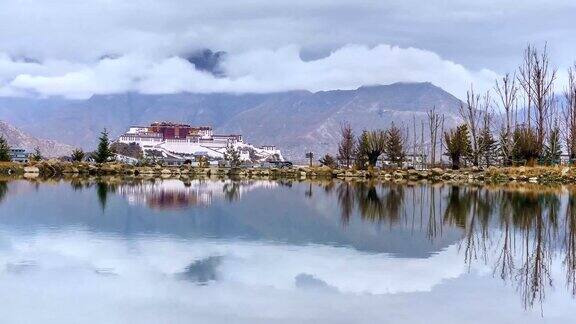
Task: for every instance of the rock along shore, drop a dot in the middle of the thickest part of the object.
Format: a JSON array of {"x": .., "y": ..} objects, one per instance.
[{"x": 53, "y": 168}]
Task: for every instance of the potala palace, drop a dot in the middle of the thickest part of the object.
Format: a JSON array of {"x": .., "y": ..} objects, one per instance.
[{"x": 185, "y": 142}]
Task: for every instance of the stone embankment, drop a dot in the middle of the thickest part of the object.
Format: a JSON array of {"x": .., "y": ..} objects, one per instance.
[{"x": 560, "y": 174}]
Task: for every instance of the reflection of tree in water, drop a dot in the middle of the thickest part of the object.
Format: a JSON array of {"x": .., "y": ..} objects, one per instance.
[
  {"x": 393, "y": 200},
  {"x": 345, "y": 194},
  {"x": 3, "y": 190},
  {"x": 515, "y": 231},
  {"x": 285, "y": 183},
  {"x": 532, "y": 217},
  {"x": 308, "y": 193},
  {"x": 504, "y": 265},
  {"x": 231, "y": 191},
  {"x": 329, "y": 186},
  {"x": 477, "y": 225},
  {"x": 76, "y": 184},
  {"x": 570, "y": 244},
  {"x": 458, "y": 208},
  {"x": 535, "y": 272},
  {"x": 102, "y": 190},
  {"x": 370, "y": 205},
  {"x": 373, "y": 204}
]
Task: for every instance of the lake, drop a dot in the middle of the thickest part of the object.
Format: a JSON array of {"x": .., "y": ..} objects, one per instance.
[{"x": 223, "y": 251}]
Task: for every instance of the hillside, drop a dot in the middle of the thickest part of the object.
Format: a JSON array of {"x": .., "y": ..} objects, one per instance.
[
  {"x": 18, "y": 139},
  {"x": 296, "y": 121}
]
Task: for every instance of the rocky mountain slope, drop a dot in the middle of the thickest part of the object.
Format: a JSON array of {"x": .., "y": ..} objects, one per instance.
[
  {"x": 295, "y": 121},
  {"x": 18, "y": 139}
]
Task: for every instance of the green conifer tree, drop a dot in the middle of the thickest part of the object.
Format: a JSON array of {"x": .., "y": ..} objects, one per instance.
[
  {"x": 4, "y": 150},
  {"x": 103, "y": 153},
  {"x": 361, "y": 156},
  {"x": 488, "y": 146},
  {"x": 394, "y": 146},
  {"x": 552, "y": 149}
]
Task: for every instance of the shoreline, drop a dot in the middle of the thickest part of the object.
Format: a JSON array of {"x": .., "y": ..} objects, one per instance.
[{"x": 491, "y": 175}]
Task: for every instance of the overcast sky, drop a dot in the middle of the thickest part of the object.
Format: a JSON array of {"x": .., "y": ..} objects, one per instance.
[{"x": 80, "y": 48}]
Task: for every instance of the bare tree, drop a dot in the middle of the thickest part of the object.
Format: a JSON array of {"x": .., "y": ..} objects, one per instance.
[
  {"x": 415, "y": 143},
  {"x": 486, "y": 143},
  {"x": 525, "y": 78},
  {"x": 422, "y": 153},
  {"x": 570, "y": 114},
  {"x": 470, "y": 112},
  {"x": 537, "y": 80},
  {"x": 507, "y": 90},
  {"x": 442, "y": 147},
  {"x": 434, "y": 123}
]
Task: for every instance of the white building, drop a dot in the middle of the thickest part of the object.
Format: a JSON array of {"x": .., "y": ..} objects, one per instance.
[{"x": 181, "y": 141}]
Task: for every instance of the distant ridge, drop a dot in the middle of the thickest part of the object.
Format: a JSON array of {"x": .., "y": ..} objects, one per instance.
[
  {"x": 18, "y": 139},
  {"x": 295, "y": 121}
]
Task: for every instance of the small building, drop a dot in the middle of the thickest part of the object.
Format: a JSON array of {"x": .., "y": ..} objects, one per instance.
[{"x": 19, "y": 155}]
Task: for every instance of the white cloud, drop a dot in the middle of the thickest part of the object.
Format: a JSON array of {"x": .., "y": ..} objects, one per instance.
[
  {"x": 253, "y": 71},
  {"x": 265, "y": 39}
]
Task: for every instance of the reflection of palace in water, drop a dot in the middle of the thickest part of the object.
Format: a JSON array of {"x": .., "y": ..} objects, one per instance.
[{"x": 177, "y": 194}]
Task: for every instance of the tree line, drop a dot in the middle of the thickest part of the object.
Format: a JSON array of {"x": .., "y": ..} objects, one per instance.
[
  {"x": 522, "y": 120},
  {"x": 363, "y": 151}
]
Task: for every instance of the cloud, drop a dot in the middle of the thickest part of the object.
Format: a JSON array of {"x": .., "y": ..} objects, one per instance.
[
  {"x": 486, "y": 32},
  {"x": 50, "y": 46},
  {"x": 256, "y": 71}
]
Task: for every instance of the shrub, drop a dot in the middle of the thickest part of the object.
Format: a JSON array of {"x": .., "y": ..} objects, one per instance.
[
  {"x": 370, "y": 146},
  {"x": 329, "y": 161},
  {"x": 78, "y": 155},
  {"x": 526, "y": 148},
  {"x": 457, "y": 145}
]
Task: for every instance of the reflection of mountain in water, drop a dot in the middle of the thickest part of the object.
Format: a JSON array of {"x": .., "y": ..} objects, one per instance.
[
  {"x": 202, "y": 271},
  {"x": 176, "y": 194}
]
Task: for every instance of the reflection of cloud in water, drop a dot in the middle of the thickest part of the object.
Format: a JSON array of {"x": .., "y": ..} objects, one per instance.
[
  {"x": 20, "y": 267},
  {"x": 177, "y": 194},
  {"x": 146, "y": 289},
  {"x": 261, "y": 264}
]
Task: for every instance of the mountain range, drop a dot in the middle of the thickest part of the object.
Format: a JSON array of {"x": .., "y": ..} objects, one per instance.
[
  {"x": 295, "y": 121},
  {"x": 16, "y": 138}
]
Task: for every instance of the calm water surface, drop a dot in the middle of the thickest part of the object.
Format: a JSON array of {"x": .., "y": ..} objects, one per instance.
[{"x": 171, "y": 251}]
